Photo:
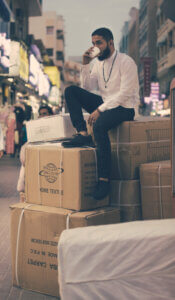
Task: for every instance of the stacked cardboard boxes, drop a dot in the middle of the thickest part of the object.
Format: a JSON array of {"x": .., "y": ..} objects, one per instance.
[
  {"x": 134, "y": 143},
  {"x": 35, "y": 232},
  {"x": 58, "y": 186},
  {"x": 155, "y": 180},
  {"x": 125, "y": 194},
  {"x": 137, "y": 142}
]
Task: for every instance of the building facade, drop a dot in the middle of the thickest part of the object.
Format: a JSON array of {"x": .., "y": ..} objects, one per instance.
[
  {"x": 133, "y": 34},
  {"x": 14, "y": 20},
  {"x": 165, "y": 49},
  {"x": 147, "y": 45},
  {"x": 50, "y": 29},
  {"x": 123, "y": 44}
]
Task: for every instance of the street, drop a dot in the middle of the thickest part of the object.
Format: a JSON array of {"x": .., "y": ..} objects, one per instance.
[{"x": 9, "y": 171}]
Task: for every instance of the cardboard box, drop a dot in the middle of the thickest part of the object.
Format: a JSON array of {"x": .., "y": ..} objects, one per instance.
[
  {"x": 125, "y": 194},
  {"x": 34, "y": 241},
  {"x": 155, "y": 180},
  {"x": 49, "y": 128},
  {"x": 60, "y": 177},
  {"x": 137, "y": 142}
]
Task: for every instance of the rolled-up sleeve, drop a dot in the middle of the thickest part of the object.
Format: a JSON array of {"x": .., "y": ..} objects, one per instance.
[{"x": 89, "y": 77}]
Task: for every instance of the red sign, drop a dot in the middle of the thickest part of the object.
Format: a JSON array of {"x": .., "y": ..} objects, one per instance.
[{"x": 147, "y": 74}]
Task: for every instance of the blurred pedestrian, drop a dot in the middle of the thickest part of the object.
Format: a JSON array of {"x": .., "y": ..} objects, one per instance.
[
  {"x": 44, "y": 111},
  {"x": 10, "y": 133},
  {"x": 20, "y": 117},
  {"x": 1, "y": 142}
]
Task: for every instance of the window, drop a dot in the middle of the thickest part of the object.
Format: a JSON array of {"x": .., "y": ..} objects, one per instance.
[
  {"x": 49, "y": 29},
  {"x": 50, "y": 51},
  {"x": 59, "y": 55},
  {"x": 60, "y": 35},
  {"x": 170, "y": 39}
]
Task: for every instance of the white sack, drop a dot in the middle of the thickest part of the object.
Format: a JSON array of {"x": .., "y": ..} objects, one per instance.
[{"x": 128, "y": 261}]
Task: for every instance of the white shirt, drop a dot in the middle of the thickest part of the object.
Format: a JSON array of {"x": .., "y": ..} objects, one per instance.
[{"x": 123, "y": 85}]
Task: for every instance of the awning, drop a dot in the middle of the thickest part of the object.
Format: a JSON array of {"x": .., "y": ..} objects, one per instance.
[{"x": 5, "y": 11}]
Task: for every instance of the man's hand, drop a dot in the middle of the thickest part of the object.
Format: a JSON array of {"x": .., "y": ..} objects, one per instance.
[
  {"x": 93, "y": 117},
  {"x": 86, "y": 56},
  {"x": 1, "y": 153}
]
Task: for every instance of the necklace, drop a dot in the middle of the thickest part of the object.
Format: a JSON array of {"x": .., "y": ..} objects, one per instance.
[{"x": 106, "y": 80}]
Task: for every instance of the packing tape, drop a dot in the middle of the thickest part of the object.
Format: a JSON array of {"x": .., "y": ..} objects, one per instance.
[
  {"x": 17, "y": 242},
  {"x": 155, "y": 186},
  {"x": 39, "y": 185},
  {"x": 68, "y": 219},
  {"x": 95, "y": 153},
  {"x": 136, "y": 143},
  {"x": 160, "y": 194},
  {"x": 119, "y": 193},
  {"x": 118, "y": 161},
  {"x": 61, "y": 181},
  {"x": 129, "y": 204}
]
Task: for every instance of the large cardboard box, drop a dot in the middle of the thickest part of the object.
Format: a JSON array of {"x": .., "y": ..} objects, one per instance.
[
  {"x": 125, "y": 194},
  {"x": 133, "y": 143},
  {"x": 60, "y": 177},
  {"x": 35, "y": 231},
  {"x": 155, "y": 180}
]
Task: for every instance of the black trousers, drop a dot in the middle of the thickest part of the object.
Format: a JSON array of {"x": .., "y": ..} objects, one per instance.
[{"x": 78, "y": 98}]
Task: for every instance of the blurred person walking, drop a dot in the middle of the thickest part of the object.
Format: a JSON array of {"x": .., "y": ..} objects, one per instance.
[
  {"x": 1, "y": 142},
  {"x": 44, "y": 111}
]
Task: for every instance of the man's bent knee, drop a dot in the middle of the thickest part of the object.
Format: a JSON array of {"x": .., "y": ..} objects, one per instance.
[{"x": 70, "y": 90}]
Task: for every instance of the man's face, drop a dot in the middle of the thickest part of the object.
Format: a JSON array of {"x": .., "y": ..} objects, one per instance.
[
  {"x": 43, "y": 113},
  {"x": 103, "y": 45}
]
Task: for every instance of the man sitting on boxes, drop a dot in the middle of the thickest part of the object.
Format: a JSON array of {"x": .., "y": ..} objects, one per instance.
[{"x": 115, "y": 75}]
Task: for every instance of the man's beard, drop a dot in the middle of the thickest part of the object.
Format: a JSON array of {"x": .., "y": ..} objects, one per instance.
[{"x": 105, "y": 54}]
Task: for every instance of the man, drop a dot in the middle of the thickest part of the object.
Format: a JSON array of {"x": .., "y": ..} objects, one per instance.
[
  {"x": 115, "y": 75},
  {"x": 45, "y": 110}
]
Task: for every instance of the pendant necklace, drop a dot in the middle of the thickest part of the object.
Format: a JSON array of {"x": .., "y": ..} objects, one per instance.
[{"x": 106, "y": 80}]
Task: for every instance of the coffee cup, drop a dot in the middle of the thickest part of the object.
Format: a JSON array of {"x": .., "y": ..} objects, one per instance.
[{"x": 94, "y": 52}]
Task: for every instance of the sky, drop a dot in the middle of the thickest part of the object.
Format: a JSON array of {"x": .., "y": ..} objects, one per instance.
[{"x": 82, "y": 17}]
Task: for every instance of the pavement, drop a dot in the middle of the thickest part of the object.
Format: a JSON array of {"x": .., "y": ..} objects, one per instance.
[{"x": 9, "y": 172}]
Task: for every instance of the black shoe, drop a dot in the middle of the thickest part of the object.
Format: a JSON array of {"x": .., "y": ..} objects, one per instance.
[
  {"x": 79, "y": 140},
  {"x": 101, "y": 190}
]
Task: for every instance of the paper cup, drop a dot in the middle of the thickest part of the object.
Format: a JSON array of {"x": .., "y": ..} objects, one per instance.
[{"x": 95, "y": 52}]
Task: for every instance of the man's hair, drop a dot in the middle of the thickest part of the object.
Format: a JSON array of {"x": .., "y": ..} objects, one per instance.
[
  {"x": 105, "y": 33},
  {"x": 49, "y": 109}
]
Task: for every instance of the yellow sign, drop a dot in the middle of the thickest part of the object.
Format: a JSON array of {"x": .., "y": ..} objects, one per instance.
[
  {"x": 54, "y": 75},
  {"x": 24, "y": 64}
]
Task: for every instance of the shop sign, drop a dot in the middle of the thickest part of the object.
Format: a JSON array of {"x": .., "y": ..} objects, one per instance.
[
  {"x": 4, "y": 54},
  {"x": 147, "y": 74},
  {"x": 24, "y": 63},
  {"x": 154, "y": 91},
  {"x": 54, "y": 75},
  {"x": 43, "y": 84},
  {"x": 14, "y": 59},
  {"x": 34, "y": 69},
  {"x": 54, "y": 97}
]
